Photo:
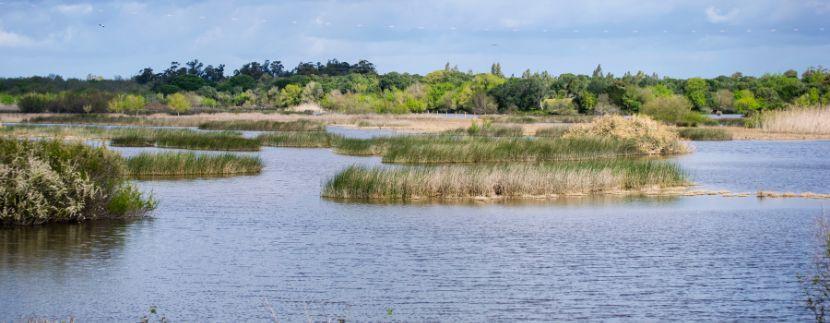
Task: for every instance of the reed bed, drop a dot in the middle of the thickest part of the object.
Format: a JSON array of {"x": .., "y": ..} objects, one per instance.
[
  {"x": 264, "y": 125},
  {"x": 190, "y": 164},
  {"x": 705, "y": 134},
  {"x": 203, "y": 141},
  {"x": 185, "y": 139},
  {"x": 362, "y": 147},
  {"x": 552, "y": 132},
  {"x": 490, "y": 150},
  {"x": 513, "y": 181},
  {"x": 97, "y": 119},
  {"x": 487, "y": 130},
  {"x": 318, "y": 139},
  {"x": 798, "y": 120}
]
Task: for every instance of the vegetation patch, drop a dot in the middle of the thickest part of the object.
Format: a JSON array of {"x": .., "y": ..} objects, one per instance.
[
  {"x": 540, "y": 180},
  {"x": 488, "y": 129},
  {"x": 189, "y": 164},
  {"x": 552, "y": 132},
  {"x": 489, "y": 150},
  {"x": 52, "y": 181},
  {"x": 186, "y": 139},
  {"x": 317, "y": 139},
  {"x": 797, "y": 120},
  {"x": 649, "y": 137},
  {"x": 264, "y": 125},
  {"x": 705, "y": 134}
]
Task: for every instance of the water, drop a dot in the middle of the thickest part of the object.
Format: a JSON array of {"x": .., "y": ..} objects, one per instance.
[{"x": 218, "y": 248}]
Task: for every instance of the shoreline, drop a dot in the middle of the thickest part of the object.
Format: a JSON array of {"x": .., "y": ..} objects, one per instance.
[{"x": 405, "y": 123}]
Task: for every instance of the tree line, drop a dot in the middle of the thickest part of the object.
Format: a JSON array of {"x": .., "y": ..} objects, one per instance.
[{"x": 359, "y": 88}]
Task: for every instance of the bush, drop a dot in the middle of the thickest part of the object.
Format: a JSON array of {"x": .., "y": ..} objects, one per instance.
[
  {"x": 52, "y": 181},
  {"x": 126, "y": 103},
  {"x": 178, "y": 102},
  {"x": 672, "y": 109},
  {"x": 650, "y": 137},
  {"x": 559, "y": 106},
  {"x": 6, "y": 99},
  {"x": 34, "y": 102}
]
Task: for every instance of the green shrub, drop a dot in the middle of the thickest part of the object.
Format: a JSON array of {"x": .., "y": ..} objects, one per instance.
[{"x": 672, "y": 109}]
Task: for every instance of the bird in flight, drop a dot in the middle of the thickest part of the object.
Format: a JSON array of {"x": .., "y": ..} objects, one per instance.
[{"x": 101, "y": 25}]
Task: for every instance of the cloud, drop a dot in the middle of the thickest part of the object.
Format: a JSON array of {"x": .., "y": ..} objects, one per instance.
[
  {"x": 715, "y": 16},
  {"x": 74, "y": 9},
  {"x": 10, "y": 39}
]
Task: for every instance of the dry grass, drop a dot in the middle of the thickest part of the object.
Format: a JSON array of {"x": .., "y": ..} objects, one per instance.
[
  {"x": 650, "y": 137},
  {"x": 545, "y": 180},
  {"x": 798, "y": 120}
]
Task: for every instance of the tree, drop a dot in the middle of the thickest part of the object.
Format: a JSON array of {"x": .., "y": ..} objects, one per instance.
[
  {"x": 495, "y": 69},
  {"x": 745, "y": 102},
  {"x": 523, "y": 93},
  {"x": 126, "y": 103},
  {"x": 291, "y": 95},
  {"x": 188, "y": 82},
  {"x": 178, "y": 102},
  {"x": 673, "y": 109},
  {"x": 312, "y": 92},
  {"x": 724, "y": 99},
  {"x": 696, "y": 90}
]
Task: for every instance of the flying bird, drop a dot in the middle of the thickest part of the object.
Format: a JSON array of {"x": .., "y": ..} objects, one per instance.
[{"x": 101, "y": 25}]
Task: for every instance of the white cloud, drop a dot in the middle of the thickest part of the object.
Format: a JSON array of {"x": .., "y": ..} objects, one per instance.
[
  {"x": 715, "y": 16},
  {"x": 10, "y": 39},
  {"x": 74, "y": 9}
]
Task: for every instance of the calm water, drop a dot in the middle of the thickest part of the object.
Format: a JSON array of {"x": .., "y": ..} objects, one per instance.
[{"x": 218, "y": 248}]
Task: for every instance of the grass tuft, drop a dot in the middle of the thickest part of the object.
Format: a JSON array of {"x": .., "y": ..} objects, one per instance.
[{"x": 797, "y": 120}]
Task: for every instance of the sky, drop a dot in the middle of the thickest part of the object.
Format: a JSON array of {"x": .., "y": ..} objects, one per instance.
[{"x": 668, "y": 37}]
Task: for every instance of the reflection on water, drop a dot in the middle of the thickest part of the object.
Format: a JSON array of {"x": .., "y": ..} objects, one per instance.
[
  {"x": 60, "y": 245},
  {"x": 218, "y": 247}
]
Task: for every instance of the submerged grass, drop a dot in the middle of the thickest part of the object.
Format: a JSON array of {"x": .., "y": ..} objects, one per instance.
[
  {"x": 705, "y": 134},
  {"x": 318, "y": 139},
  {"x": 264, "y": 125},
  {"x": 527, "y": 180},
  {"x": 189, "y": 164}
]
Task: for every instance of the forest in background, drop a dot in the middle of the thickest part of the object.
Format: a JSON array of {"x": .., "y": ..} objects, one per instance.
[{"x": 358, "y": 88}]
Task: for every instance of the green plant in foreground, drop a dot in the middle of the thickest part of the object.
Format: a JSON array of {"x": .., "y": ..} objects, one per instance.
[{"x": 52, "y": 181}]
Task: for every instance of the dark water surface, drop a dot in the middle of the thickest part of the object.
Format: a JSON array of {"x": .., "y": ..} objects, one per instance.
[{"x": 216, "y": 249}]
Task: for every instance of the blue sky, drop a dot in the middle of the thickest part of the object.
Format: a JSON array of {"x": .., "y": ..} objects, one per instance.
[{"x": 674, "y": 38}]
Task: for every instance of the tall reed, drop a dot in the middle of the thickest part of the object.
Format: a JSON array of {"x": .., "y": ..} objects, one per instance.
[
  {"x": 524, "y": 180},
  {"x": 185, "y": 164},
  {"x": 798, "y": 120}
]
